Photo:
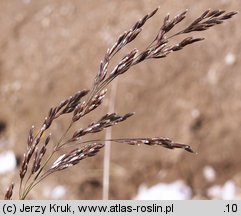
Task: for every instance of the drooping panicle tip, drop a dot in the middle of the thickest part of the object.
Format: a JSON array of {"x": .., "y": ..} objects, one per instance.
[{"x": 189, "y": 149}]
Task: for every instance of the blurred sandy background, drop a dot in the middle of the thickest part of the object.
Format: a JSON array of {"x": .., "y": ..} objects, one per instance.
[{"x": 51, "y": 49}]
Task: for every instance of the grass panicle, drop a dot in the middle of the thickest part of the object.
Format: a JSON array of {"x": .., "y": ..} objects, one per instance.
[{"x": 40, "y": 160}]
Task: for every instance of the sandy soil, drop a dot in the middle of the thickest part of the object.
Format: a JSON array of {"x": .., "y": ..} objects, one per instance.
[{"x": 51, "y": 49}]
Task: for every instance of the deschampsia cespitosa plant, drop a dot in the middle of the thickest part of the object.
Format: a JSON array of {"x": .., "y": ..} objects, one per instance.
[{"x": 40, "y": 160}]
